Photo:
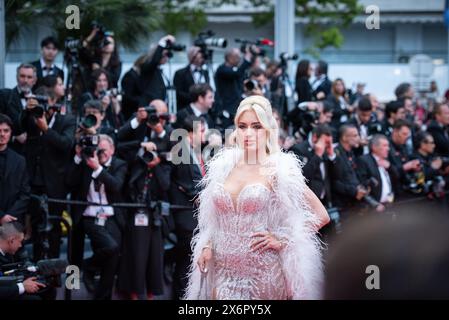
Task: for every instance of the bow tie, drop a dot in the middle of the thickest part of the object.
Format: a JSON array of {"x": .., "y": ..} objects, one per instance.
[
  {"x": 197, "y": 70},
  {"x": 47, "y": 68}
]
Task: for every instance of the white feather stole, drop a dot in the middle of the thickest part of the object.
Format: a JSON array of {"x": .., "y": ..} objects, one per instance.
[{"x": 290, "y": 218}]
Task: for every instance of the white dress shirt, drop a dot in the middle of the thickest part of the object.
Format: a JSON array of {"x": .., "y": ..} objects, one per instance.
[
  {"x": 386, "y": 183},
  {"x": 20, "y": 285}
]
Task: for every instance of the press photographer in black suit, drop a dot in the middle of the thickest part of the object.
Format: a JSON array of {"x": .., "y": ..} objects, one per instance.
[
  {"x": 46, "y": 64},
  {"x": 13, "y": 102},
  {"x": 99, "y": 178},
  {"x": 321, "y": 86},
  {"x": 142, "y": 268},
  {"x": 152, "y": 77},
  {"x": 187, "y": 170},
  {"x": 194, "y": 73},
  {"x": 50, "y": 138},
  {"x": 148, "y": 124},
  {"x": 14, "y": 183},
  {"x": 318, "y": 156},
  {"x": 376, "y": 167},
  {"x": 11, "y": 238},
  {"x": 202, "y": 96}
]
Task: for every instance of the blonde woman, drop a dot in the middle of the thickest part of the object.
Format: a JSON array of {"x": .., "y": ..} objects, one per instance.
[{"x": 257, "y": 219}]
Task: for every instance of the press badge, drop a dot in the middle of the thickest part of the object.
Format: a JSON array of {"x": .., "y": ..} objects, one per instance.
[{"x": 141, "y": 219}]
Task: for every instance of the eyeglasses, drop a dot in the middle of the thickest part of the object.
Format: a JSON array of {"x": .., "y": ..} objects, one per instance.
[{"x": 428, "y": 142}]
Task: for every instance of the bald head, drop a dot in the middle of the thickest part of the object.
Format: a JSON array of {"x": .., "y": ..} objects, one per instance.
[
  {"x": 160, "y": 106},
  {"x": 232, "y": 56}
]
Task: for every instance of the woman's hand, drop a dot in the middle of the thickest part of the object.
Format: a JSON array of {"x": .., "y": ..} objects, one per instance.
[
  {"x": 204, "y": 259},
  {"x": 264, "y": 241}
]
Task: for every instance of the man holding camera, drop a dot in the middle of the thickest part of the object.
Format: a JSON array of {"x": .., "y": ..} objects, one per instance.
[
  {"x": 349, "y": 191},
  {"x": 229, "y": 79},
  {"x": 50, "y": 137},
  {"x": 318, "y": 156},
  {"x": 193, "y": 73},
  {"x": 96, "y": 176},
  {"x": 13, "y": 102},
  {"x": 376, "y": 167},
  {"x": 145, "y": 132},
  {"x": 15, "y": 194},
  {"x": 11, "y": 238},
  {"x": 154, "y": 82}
]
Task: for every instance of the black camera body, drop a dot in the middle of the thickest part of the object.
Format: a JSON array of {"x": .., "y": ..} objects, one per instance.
[
  {"x": 153, "y": 117},
  {"x": 206, "y": 41},
  {"x": 100, "y": 39},
  {"x": 88, "y": 121},
  {"x": 89, "y": 145},
  {"x": 42, "y": 107},
  {"x": 171, "y": 47}
]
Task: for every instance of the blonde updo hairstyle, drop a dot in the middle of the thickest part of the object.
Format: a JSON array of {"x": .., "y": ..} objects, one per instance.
[{"x": 264, "y": 113}]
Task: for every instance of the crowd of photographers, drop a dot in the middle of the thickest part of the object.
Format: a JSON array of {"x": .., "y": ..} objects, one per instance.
[{"x": 100, "y": 146}]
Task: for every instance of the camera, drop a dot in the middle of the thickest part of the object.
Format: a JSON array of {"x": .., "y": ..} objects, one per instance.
[
  {"x": 114, "y": 92},
  {"x": 153, "y": 117},
  {"x": 100, "y": 39},
  {"x": 42, "y": 107},
  {"x": 285, "y": 57},
  {"x": 149, "y": 156},
  {"x": 259, "y": 43},
  {"x": 46, "y": 271},
  {"x": 251, "y": 85},
  {"x": 89, "y": 145},
  {"x": 207, "y": 40},
  {"x": 88, "y": 121},
  {"x": 171, "y": 46}
]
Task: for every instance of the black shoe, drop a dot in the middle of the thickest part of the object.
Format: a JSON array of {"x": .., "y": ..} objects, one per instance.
[{"x": 89, "y": 281}]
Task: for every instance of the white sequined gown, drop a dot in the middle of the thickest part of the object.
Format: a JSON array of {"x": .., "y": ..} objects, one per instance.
[{"x": 240, "y": 273}]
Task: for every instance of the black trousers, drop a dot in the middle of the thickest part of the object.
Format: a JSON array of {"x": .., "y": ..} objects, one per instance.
[
  {"x": 46, "y": 243},
  {"x": 105, "y": 241},
  {"x": 183, "y": 253}
]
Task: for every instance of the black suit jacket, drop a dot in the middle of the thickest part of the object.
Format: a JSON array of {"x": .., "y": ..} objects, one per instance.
[
  {"x": 324, "y": 87},
  {"x": 367, "y": 168},
  {"x": 8, "y": 290},
  {"x": 51, "y": 151},
  {"x": 183, "y": 191},
  {"x": 132, "y": 93},
  {"x": 40, "y": 75},
  {"x": 303, "y": 89},
  {"x": 188, "y": 111},
  {"x": 229, "y": 84},
  {"x": 11, "y": 105},
  {"x": 79, "y": 176},
  {"x": 14, "y": 185},
  {"x": 312, "y": 171},
  {"x": 441, "y": 136},
  {"x": 344, "y": 178},
  {"x": 182, "y": 81},
  {"x": 152, "y": 79}
]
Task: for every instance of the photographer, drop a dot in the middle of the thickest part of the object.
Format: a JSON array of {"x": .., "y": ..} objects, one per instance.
[
  {"x": 259, "y": 77},
  {"x": 142, "y": 268},
  {"x": 13, "y": 101},
  {"x": 229, "y": 79},
  {"x": 434, "y": 168},
  {"x": 95, "y": 175},
  {"x": 376, "y": 167},
  {"x": 149, "y": 124},
  {"x": 348, "y": 190},
  {"x": 11, "y": 238},
  {"x": 99, "y": 50},
  {"x": 154, "y": 82},
  {"x": 202, "y": 96},
  {"x": 55, "y": 84},
  {"x": 132, "y": 88},
  {"x": 110, "y": 104},
  {"x": 50, "y": 137},
  {"x": 318, "y": 156},
  {"x": 394, "y": 110},
  {"x": 308, "y": 115},
  {"x": 45, "y": 66},
  {"x": 341, "y": 109},
  {"x": 94, "y": 121},
  {"x": 183, "y": 191},
  {"x": 193, "y": 73},
  {"x": 364, "y": 121},
  {"x": 439, "y": 129},
  {"x": 14, "y": 183},
  {"x": 322, "y": 85},
  {"x": 399, "y": 157}
]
